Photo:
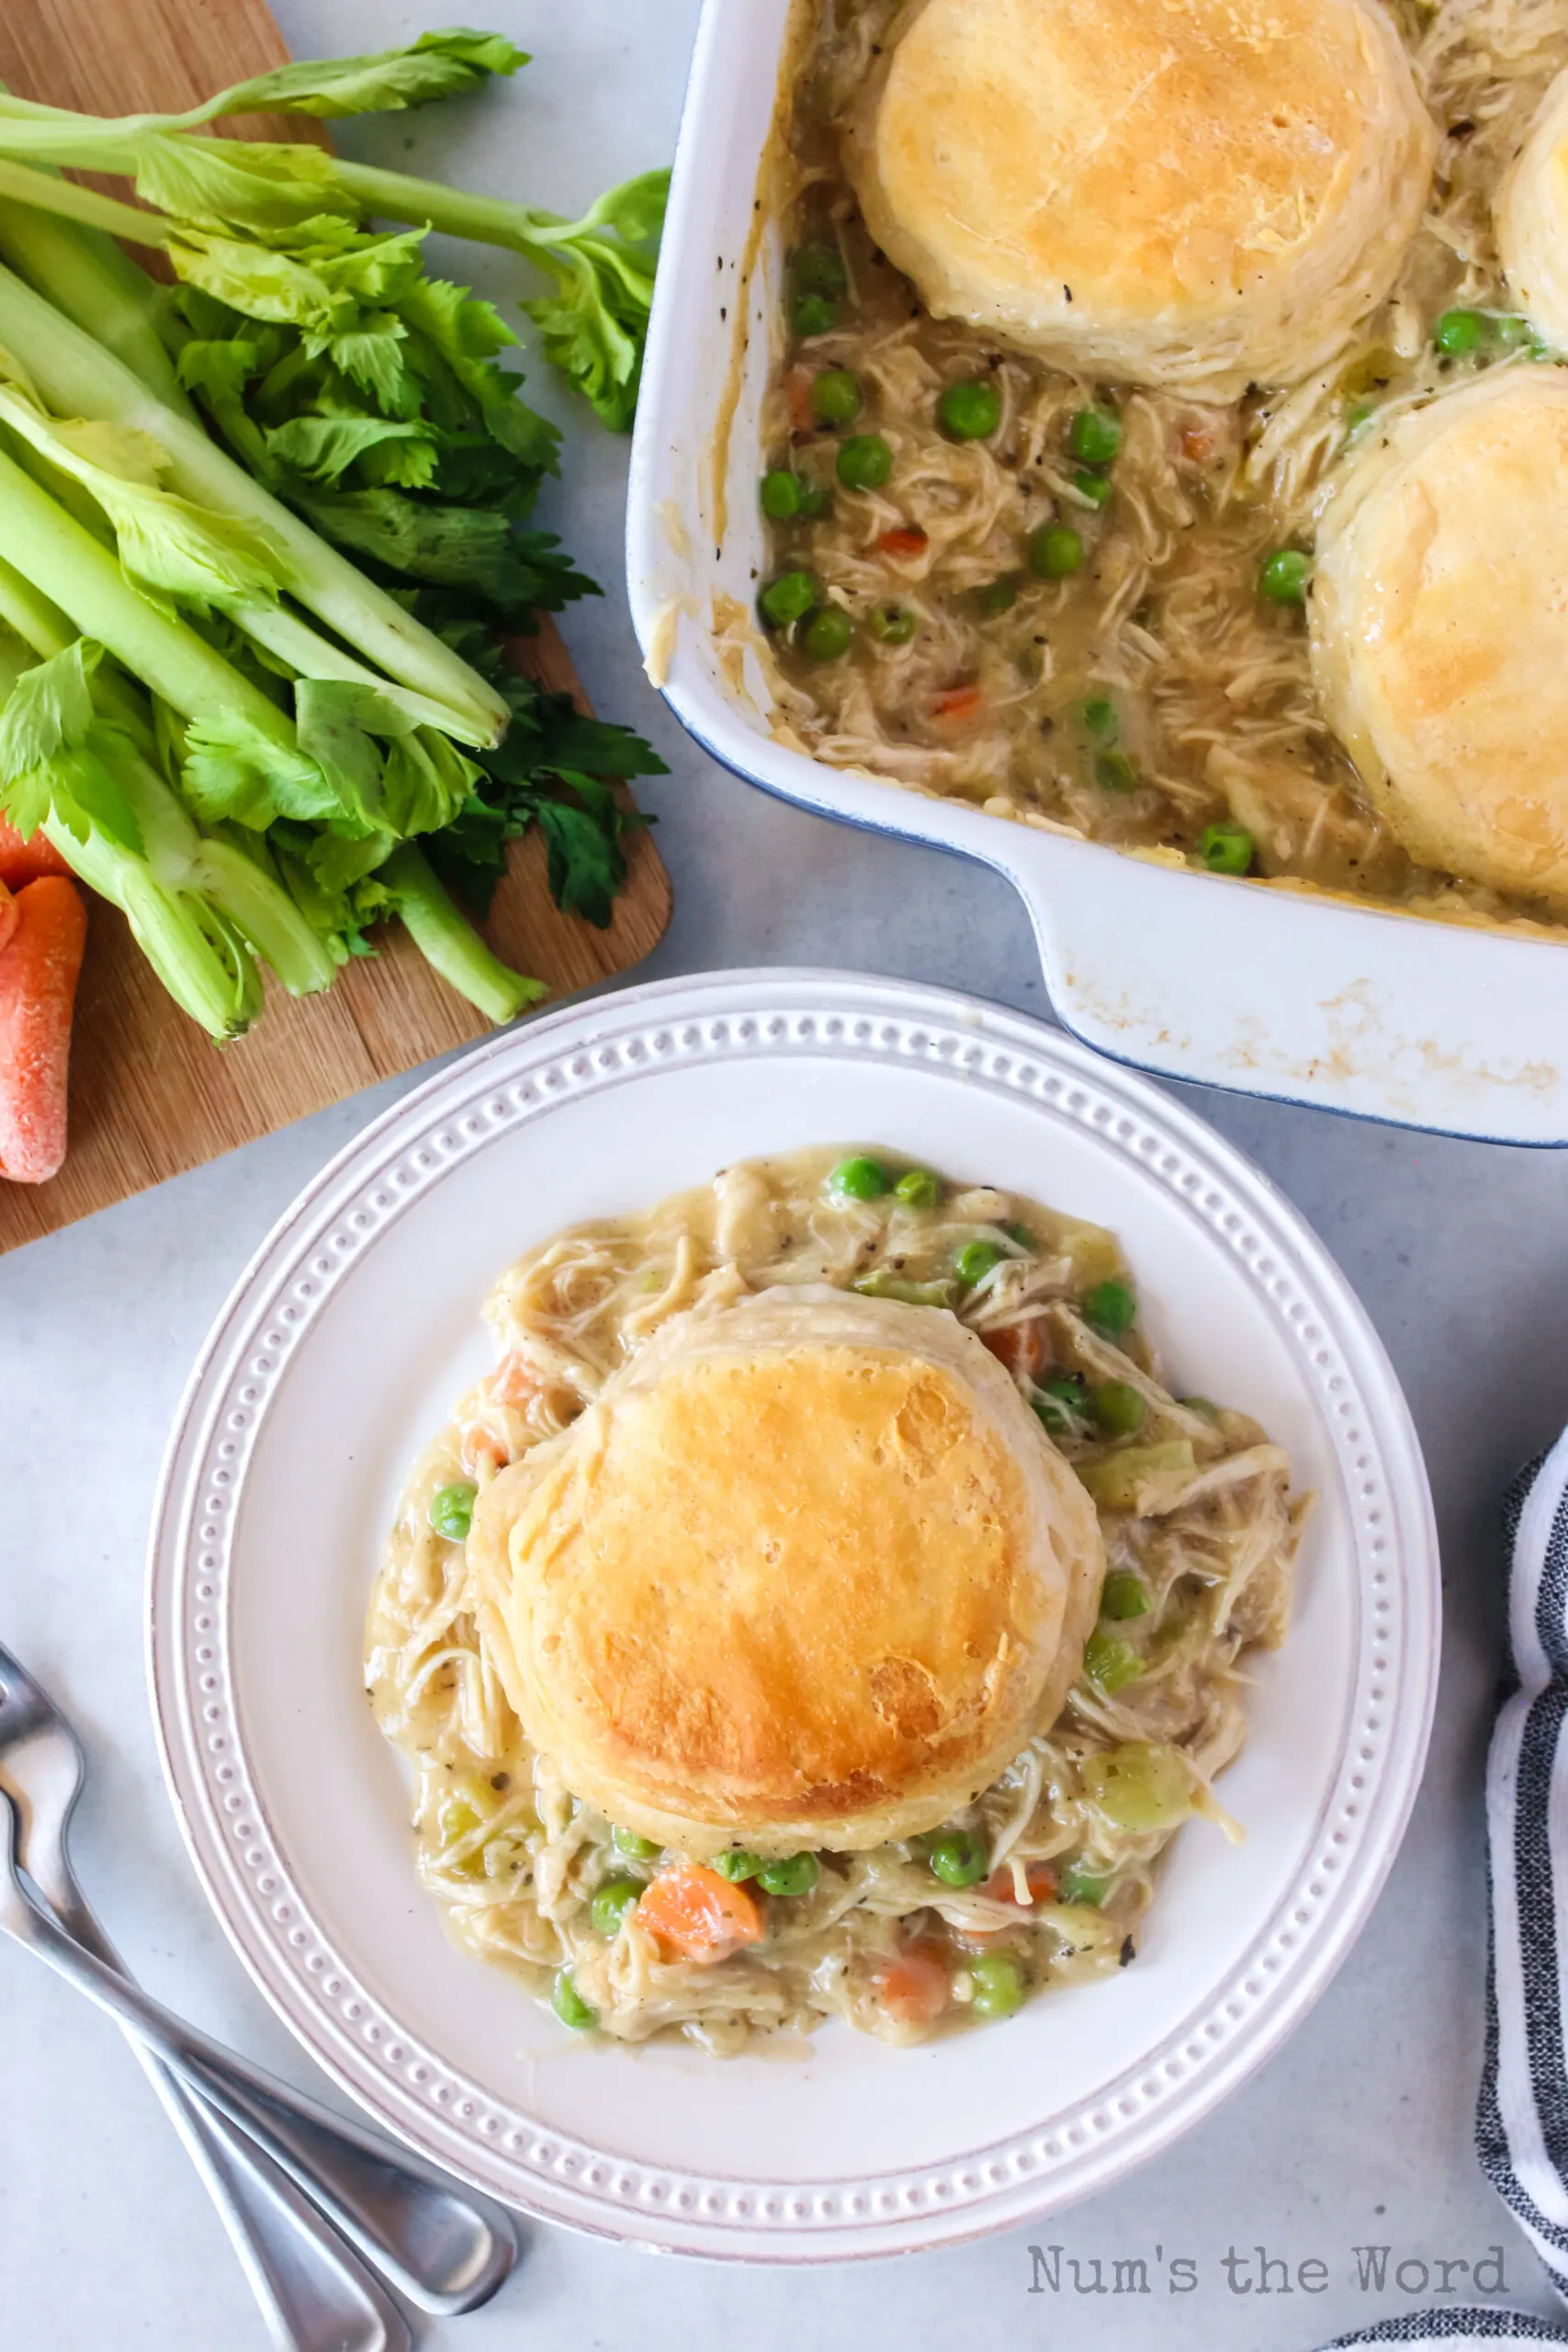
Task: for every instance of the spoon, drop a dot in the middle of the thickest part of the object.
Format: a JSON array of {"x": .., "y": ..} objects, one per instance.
[{"x": 446, "y": 2250}]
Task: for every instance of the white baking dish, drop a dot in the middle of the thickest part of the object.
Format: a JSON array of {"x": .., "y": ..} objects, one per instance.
[{"x": 1241, "y": 986}]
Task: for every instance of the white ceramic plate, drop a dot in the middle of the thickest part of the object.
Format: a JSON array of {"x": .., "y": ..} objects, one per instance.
[
  {"x": 343, "y": 1347},
  {"x": 1259, "y": 989}
]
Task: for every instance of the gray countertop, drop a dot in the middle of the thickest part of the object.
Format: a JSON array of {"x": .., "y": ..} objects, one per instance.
[{"x": 1358, "y": 2135}]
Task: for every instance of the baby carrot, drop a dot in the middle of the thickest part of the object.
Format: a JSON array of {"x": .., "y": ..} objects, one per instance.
[
  {"x": 692, "y": 1914},
  {"x": 37, "y": 988},
  {"x": 23, "y": 860}
]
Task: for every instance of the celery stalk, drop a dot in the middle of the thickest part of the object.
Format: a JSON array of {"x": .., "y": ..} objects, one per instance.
[
  {"x": 69, "y": 254},
  {"x": 37, "y": 622},
  {"x": 447, "y": 942},
  {"x": 198, "y": 908},
  {"x": 285, "y": 635},
  {"x": 205, "y": 967},
  {"x": 75, "y": 571},
  {"x": 77, "y": 378}
]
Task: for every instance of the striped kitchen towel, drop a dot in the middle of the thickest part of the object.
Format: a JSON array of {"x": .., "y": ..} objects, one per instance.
[
  {"x": 1521, "y": 2126},
  {"x": 1458, "y": 2328}
]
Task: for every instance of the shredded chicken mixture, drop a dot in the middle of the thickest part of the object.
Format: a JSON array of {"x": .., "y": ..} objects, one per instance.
[
  {"x": 1044, "y": 1880},
  {"x": 1153, "y": 692}
]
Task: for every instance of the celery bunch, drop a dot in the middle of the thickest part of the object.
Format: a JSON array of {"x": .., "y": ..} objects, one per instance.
[{"x": 263, "y": 537}]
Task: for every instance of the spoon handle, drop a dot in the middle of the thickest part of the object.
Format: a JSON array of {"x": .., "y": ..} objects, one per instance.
[
  {"x": 446, "y": 2250},
  {"x": 315, "y": 2294}
]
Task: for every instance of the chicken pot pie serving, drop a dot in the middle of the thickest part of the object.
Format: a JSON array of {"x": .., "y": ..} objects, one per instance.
[
  {"x": 1091, "y": 315},
  {"x": 822, "y": 1610}
]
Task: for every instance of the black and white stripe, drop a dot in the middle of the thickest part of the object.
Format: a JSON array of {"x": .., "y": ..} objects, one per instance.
[
  {"x": 1521, "y": 2125},
  {"x": 1458, "y": 2328}
]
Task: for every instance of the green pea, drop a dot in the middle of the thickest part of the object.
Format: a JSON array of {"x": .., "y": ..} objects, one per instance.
[
  {"x": 1055, "y": 550},
  {"x": 737, "y": 1865},
  {"x": 996, "y": 596},
  {"x": 1094, "y": 488},
  {"x": 819, "y": 269},
  {"x": 1077, "y": 1884},
  {"x": 970, "y": 412},
  {"x": 1458, "y": 332},
  {"x": 999, "y": 1985},
  {"x": 1110, "y": 1663},
  {"x": 958, "y": 1859},
  {"x": 890, "y": 624},
  {"x": 1511, "y": 332},
  {"x": 1118, "y": 1407},
  {"x": 864, "y": 461},
  {"x": 1356, "y": 417},
  {"x": 861, "y": 1179},
  {"x": 1021, "y": 1236},
  {"x": 781, "y": 495},
  {"x": 815, "y": 314},
  {"x": 612, "y": 1901},
  {"x": 836, "y": 396},
  {"x": 1204, "y": 1406},
  {"x": 974, "y": 1262},
  {"x": 570, "y": 2005},
  {"x": 826, "y": 637},
  {"x": 1226, "y": 849},
  {"x": 1111, "y": 1308},
  {"x": 637, "y": 1849},
  {"x": 918, "y": 1189},
  {"x": 815, "y": 500},
  {"x": 1114, "y": 772},
  {"x": 1095, "y": 439},
  {"x": 451, "y": 1510},
  {"x": 1125, "y": 1595},
  {"x": 1099, "y": 719},
  {"x": 1284, "y": 578},
  {"x": 787, "y": 599},
  {"x": 797, "y": 1874},
  {"x": 1061, "y": 1402}
]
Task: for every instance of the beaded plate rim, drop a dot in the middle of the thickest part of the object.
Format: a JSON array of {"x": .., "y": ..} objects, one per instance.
[{"x": 516, "y": 1079}]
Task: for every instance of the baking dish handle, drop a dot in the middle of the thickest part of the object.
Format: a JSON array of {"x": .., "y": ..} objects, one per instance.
[{"x": 1272, "y": 991}]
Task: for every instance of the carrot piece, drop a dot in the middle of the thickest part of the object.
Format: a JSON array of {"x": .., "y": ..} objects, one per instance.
[
  {"x": 37, "y": 990},
  {"x": 482, "y": 1448},
  {"x": 908, "y": 540},
  {"x": 1041, "y": 1881},
  {"x": 1020, "y": 1346},
  {"x": 8, "y": 916},
  {"x": 515, "y": 1381},
  {"x": 692, "y": 1914},
  {"x": 958, "y": 702},
  {"x": 916, "y": 1987},
  {"x": 26, "y": 860},
  {"x": 797, "y": 400}
]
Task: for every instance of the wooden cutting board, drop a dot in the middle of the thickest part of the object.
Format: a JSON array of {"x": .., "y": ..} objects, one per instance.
[{"x": 150, "y": 1095}]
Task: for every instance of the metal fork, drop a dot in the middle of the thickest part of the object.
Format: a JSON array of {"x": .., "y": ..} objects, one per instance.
[{"x": 446, "y": 2251}]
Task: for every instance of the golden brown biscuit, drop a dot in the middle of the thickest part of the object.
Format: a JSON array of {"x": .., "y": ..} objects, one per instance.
[
  {"x": 1205, "y": 192},
  {"x": 1530, "y": 215},
  {"x": 807, "y": 1575},
  {"x": 1439, "y": 629}
]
